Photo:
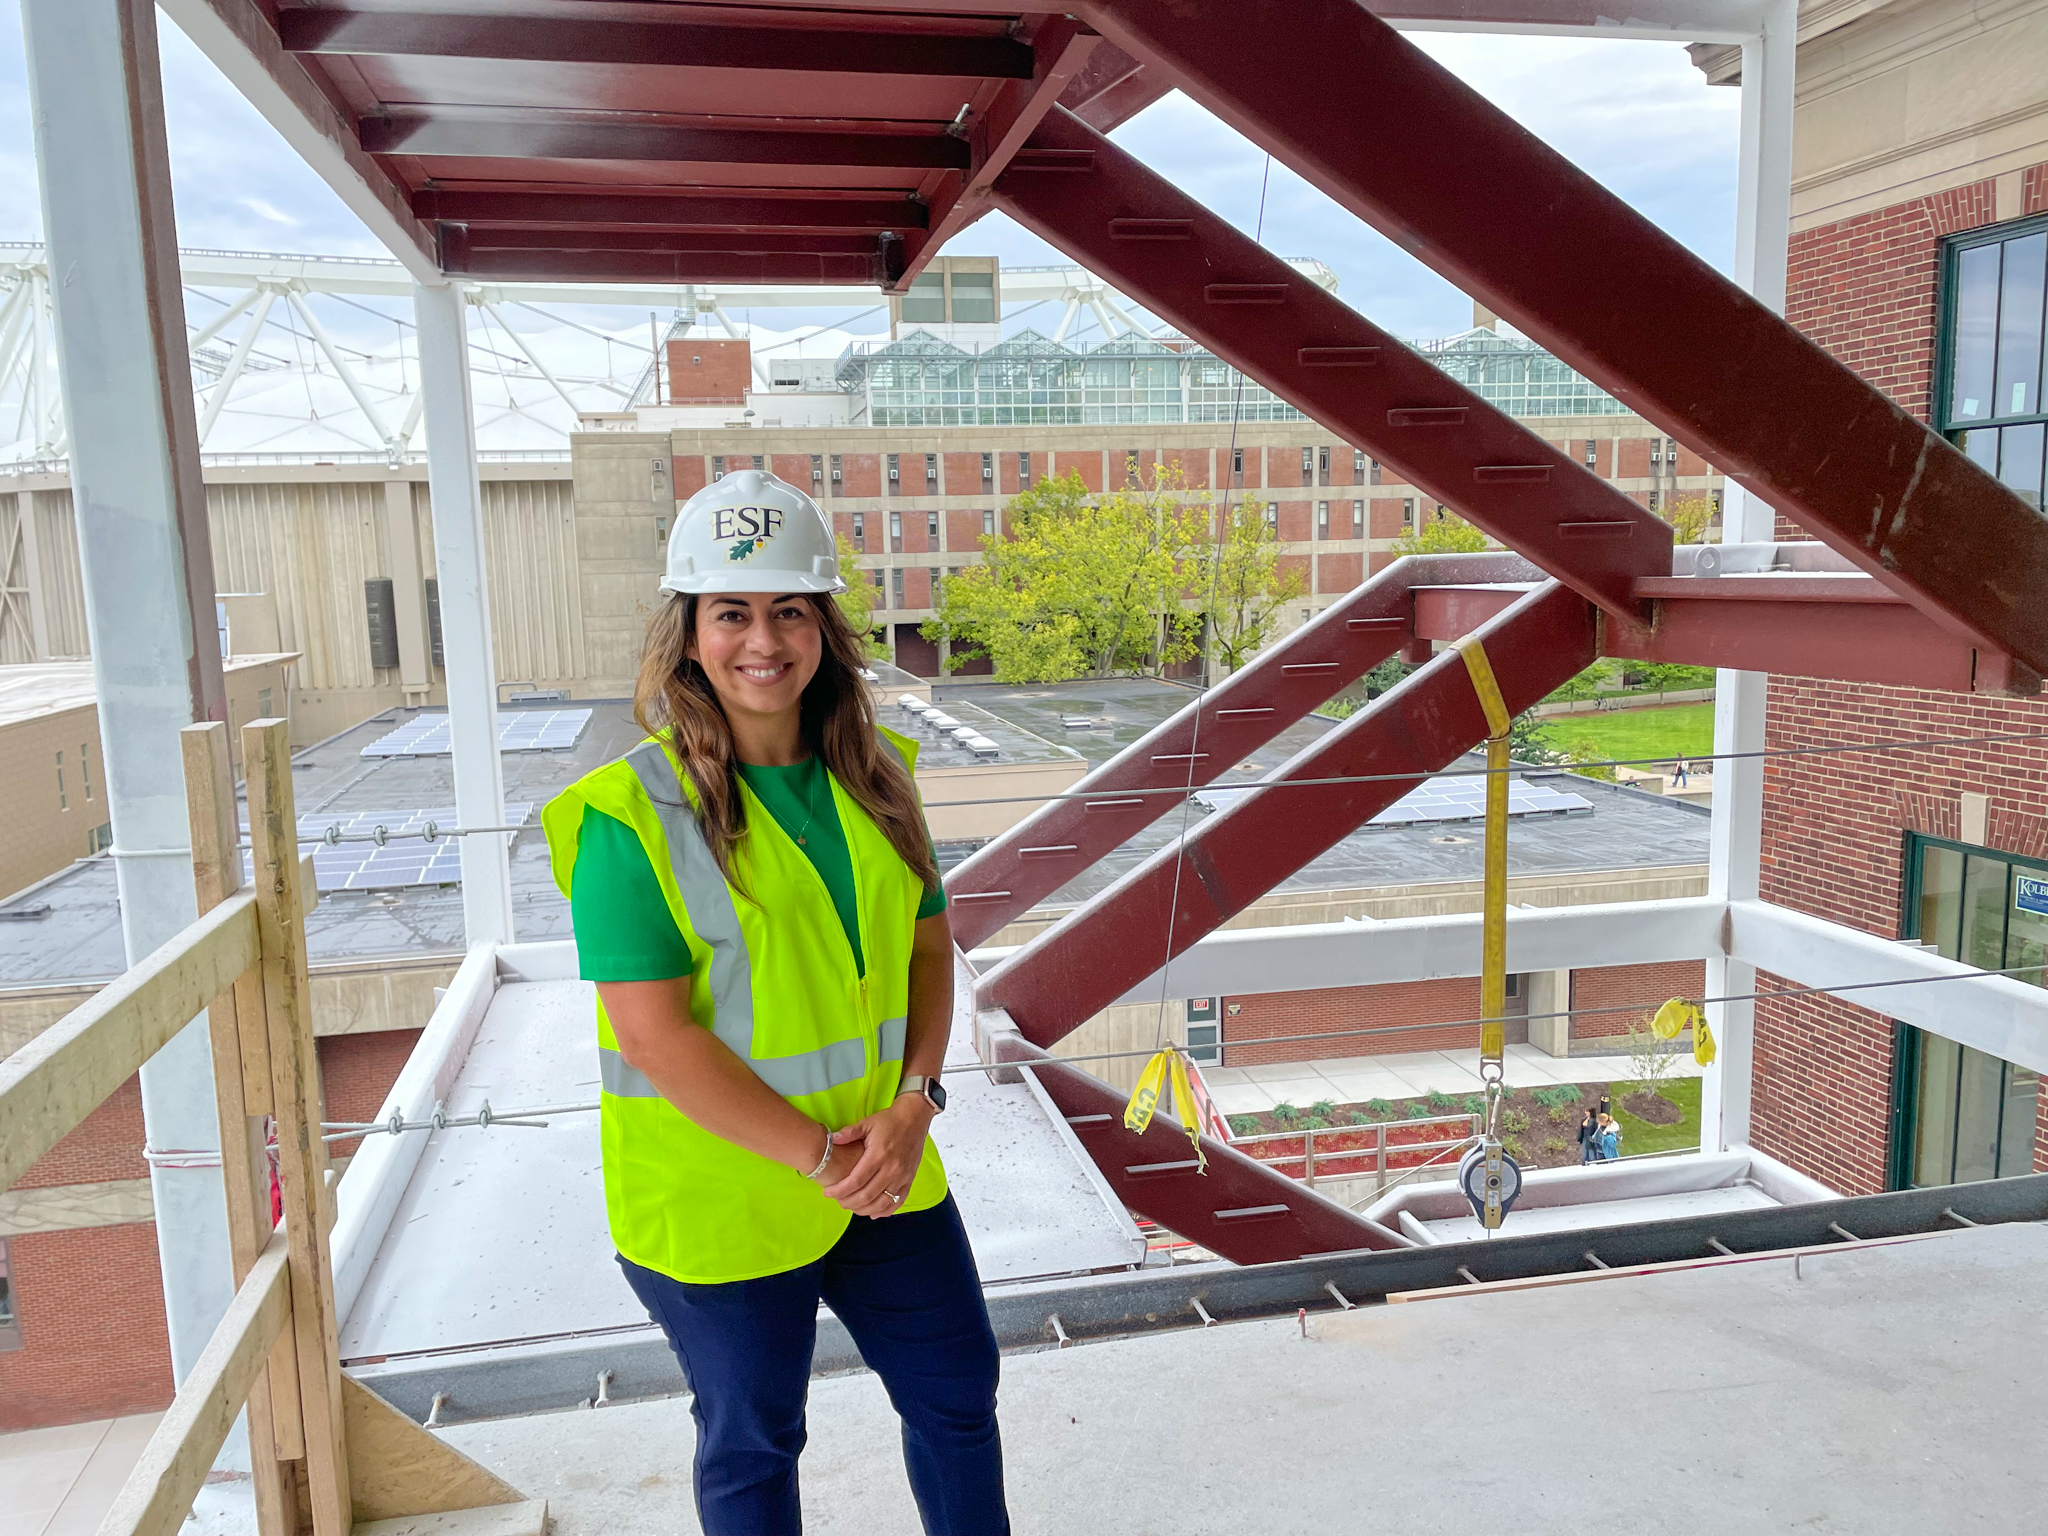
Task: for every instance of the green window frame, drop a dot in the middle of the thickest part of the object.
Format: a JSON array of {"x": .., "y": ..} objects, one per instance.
[
  {"x": 1958, "y": 1114},
  {"x": 1991, "y": 373}
]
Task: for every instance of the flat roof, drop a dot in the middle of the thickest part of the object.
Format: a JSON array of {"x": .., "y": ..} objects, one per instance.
[
  {"x": 1627, "y": 828},
  {"x": 32, "y": 688},
  {"x": 1884, "y": 1389},
  {"x": 79, "y": 937}
]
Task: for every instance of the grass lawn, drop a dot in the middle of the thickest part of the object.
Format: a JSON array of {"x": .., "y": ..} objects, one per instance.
[
  {"x": 1639, "y": 1136},
  {"x": 1677, "y": 730}
]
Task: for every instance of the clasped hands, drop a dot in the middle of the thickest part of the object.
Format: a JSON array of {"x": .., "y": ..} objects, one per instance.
[{"x": 874, "y": 1159}]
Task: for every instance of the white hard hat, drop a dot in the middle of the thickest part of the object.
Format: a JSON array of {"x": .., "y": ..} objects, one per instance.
[{"x": 751, "y": 532}]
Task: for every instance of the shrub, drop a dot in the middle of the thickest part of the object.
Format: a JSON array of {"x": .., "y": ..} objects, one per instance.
[
  {"x": 1512, "y": 1145},
  {"x": 1554, "y": 1146},
  {"x": 1324, "y": 1108},
  {"x": 1649, "y": 1058},
  {"x": 1515, "y": 1121},
  {"x": 1441, "y": 1102},
  {"x": 1244, "y": 1125},
  {"x": 1418, "y": 1111},
  {"x": 1314, "y": 1123},
  {"x": 1286, "y": 1113},
  {"x": 1475, "y": 1104},
  {"x": 1379, "y": 1109},
  {"x": 1358, "y": 1117}
]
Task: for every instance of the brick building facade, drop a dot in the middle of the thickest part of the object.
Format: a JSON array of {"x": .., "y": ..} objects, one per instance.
[
  {"x": 1876, "y": 206},
  {"x": 88, "y": 1338}
]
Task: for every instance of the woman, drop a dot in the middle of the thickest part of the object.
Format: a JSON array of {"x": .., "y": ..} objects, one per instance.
[
  {"x": 755, "y": 896},
  {"x": 1610, "y": 1138},
  {"x": 1589, "y": 1138}
]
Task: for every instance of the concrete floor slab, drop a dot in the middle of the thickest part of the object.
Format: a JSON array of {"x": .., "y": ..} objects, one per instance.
[
  {"x": 1887, "y": 1391},
  {"x": 62, "y": 1480}
]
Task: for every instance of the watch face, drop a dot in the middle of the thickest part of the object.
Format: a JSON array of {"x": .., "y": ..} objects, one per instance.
[{"x": 936, "y": 1092}]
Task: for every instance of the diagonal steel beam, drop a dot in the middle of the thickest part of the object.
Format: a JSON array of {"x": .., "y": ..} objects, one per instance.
[
  {"x": 549, "y": 135},
  {"x": 864, "y": 50},
  {"x": 634, "y": 210},
  {"x": 1240, "y": 1208},
  {"x": 1154, "y": 242},
  {"x": 1579, "y": 271},
  {"x": 1084, "y": 963},
  {"x": 998, "y": 128},
  {"x": 1007, "y": 877}
]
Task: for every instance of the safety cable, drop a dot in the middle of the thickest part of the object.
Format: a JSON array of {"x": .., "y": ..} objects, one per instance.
[
  {"x": 1905, "y": 744},
  {"x": 2015, "y": 972},
  {"x": 485, "y": 1117},
  {"x": 1209, "y": 618}
]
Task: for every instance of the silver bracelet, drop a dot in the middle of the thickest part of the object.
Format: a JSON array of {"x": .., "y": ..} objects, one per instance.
[{"x": 823, "y": 1161}]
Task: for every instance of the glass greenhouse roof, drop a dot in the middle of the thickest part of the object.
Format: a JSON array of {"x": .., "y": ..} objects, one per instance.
[{"x": 1028, "y": 379}]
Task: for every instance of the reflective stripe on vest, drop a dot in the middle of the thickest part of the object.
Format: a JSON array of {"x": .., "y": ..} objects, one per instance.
[{"x": 730, "y": 974}]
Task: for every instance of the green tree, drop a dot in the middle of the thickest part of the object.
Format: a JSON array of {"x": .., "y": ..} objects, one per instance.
[
  {"x": 1445, "y": 533},
  {"x": 857, "y": 602},
  {"x": 1526, "y": 743},
  {"x": 1689, "y": 517},
  {"x": 1082, "y": 586},
  {"x": 1239, "y": 576}
]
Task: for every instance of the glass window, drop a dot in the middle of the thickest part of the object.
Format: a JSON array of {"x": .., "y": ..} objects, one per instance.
[
  {"x": 925, "y": 304},
  {"x": 974, "y": 298},
  {"x": 1965, "y": 1115},
  {"x": 1997, "y": 291},
  {"x": 10, "y": 1322}
]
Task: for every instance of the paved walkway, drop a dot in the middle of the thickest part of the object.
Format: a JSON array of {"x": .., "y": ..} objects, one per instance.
[
  {"x": 61, "y": 1481},
  {"x": 1359, "y": 1079}
]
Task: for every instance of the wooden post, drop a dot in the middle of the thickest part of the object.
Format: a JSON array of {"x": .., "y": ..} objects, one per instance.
[
  {"x": 295, "y": 1097},
  {"x": 241, "y": 1074}
]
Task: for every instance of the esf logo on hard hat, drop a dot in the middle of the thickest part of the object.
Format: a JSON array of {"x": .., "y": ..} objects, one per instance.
[
  {"x": 751, "y": 526},
  {"x": 751, "y": 532}
]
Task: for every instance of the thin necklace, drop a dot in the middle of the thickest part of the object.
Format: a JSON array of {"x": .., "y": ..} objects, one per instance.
[{"x": 810, "y": 813}]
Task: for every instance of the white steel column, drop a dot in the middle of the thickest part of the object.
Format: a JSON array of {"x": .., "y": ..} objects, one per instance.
[
  {"x": 1763, "y": 224},
  {"x": 442, "y": 312},
  {"x": 144, "y": 553}
]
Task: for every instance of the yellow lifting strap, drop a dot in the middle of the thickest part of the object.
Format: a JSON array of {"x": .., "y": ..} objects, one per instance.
[
  {"x": 1493, "y": 974},
  {"x": 1166, "y": 1066}
]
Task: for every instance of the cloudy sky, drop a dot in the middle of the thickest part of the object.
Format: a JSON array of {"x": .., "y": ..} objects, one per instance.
[{"x": 1635, "y": 115}]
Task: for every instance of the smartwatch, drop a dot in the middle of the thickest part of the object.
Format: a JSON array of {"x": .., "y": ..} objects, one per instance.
[{"x": 933, "y": 1090}]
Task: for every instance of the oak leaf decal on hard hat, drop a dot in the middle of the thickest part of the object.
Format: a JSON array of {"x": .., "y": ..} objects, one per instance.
[{"x": 744, "y": 548}]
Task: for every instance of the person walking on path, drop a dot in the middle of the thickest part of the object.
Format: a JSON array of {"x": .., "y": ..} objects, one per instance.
[
  {"x": 1678, "y": 774},
  {"x": 755, "y": 895}
]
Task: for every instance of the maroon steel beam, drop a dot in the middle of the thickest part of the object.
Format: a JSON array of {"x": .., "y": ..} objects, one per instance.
[
  {"x": 635, "y": 210},
  {"x": 866, "y": 49},
  {"x": 1241, "y": 1209},
  {"x": 1085, "y": 962},
  {"x": 1134, "y": 228},
  {"x": 1123, "y": 101},
  {"x": 492, "y": 237},
  {"x": 588, "y": 266},
  {"x": 1853, "y": 629},
  {"x": 998, "y": 128},
  {"x": 1007, "y": 877},
  {"x": 1850, "y": 628},
  {"x": 1579, "y": 271},
  {"x": 549, "y": 135}
]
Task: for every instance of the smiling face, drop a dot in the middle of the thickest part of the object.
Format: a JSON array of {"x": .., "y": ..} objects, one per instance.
[{"x": 760, "y": 652}]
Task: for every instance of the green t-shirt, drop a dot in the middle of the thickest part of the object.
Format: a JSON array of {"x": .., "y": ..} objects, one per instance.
[{"x": 624, "y": 931}]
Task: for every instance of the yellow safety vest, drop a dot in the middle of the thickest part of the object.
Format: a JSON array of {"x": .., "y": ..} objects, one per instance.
[{"x": 773, "y": 977}]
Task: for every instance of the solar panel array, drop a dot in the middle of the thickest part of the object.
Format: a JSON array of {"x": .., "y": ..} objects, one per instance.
[
  {"x": 1461, "y": 799},
  {"x": 525, "y": 730},
  {"x": 407, "y": 859}
]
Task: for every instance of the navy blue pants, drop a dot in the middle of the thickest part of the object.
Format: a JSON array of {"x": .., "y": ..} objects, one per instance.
[{"x": 906, "y": 1289}]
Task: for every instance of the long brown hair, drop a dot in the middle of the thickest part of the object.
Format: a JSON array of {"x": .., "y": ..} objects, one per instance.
[{"x": 838, "y": 725}]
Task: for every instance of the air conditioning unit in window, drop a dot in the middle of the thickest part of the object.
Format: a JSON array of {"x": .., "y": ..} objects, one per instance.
[
  {"x": 895, "y": 474},
  {"x": 837, "y": 475}
]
